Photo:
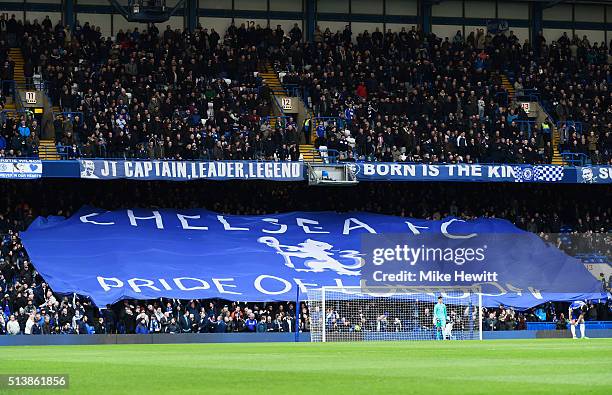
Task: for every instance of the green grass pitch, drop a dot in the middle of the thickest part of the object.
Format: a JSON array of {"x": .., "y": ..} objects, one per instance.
[{"x": 543, "y": 366}]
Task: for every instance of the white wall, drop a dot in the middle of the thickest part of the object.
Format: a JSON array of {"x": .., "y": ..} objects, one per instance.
[
  {"x": 340, "y": 6},
  {"x": 479, "y": 9},
  {"x": 592, "y": 35},
  {"x": 512, "y": 10},
  {"x": 469, "y": 29},
  {"x": 397, "y": 27},
  {"x": 372, "y": 7},
  {"x": 360, "y": 27},
  {"x": 260, "y": 22},
  {"x": 54, "y": 16},
  {"x": 255, "y": 5},
  {"x": 589, "y": 13},
  {"x": 216, "y": 4},
  {"x": 522, "y": 33},
  {"x": 447, "y": 8},
  {"x": 219, "y": 24},
  {"x": 401, "y": 7},
  {"x": 560, "y": 12},
  {"x": 284, "y": 5},
  {"x": 553, "y": 34},
  {"x": 102, "y": 20},
  {"x": 119, "y": 22},
  {"x": 444, "y": 31},
  {"x": 333, "y": 26},
  {"x": 286, "y": 24}
]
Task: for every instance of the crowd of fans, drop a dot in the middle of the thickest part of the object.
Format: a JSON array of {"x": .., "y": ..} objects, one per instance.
[
  {"x": 386, "y": 96},
  {"x": 573, "y": 79},
  {"x": 28, "y": 305}
]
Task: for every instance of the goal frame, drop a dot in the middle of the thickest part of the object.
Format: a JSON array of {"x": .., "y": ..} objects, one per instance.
[{"x": 383, "y": 291}]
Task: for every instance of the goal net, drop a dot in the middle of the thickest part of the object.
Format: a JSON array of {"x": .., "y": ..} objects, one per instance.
[{"x": 350, "y": 314}]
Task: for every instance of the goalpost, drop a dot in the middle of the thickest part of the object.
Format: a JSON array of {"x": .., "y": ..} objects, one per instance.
[{"x": 354, "y": 314}]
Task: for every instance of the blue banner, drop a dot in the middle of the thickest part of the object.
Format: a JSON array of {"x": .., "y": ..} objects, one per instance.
[
  {"x": 185, "y": 171},
  {"x": 294, "y": 171},
  {"x": 189, "y": 254},
  {"x": 20, "y": 168},
  {"x": 379, "y": 171},
  {"x": 594, "y": 175}
]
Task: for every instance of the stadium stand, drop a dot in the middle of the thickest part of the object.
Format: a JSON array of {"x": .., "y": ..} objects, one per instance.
[
  {"x": 402, "y": 96},
  {"x": 393, "y": 96}
]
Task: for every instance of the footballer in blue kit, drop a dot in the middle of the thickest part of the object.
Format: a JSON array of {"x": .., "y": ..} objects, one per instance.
[{"x": 576, "y": 314}]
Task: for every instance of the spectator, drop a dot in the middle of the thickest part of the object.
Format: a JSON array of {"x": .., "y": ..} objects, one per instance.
[
  {"x": 12, "y": 327},
  {"x": 141, "y": 328},
  {"x": 251, "y": 323},
  {"x": 561, "y": 323}
]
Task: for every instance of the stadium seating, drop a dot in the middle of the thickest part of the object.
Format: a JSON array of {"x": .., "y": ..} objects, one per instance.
[
  {"x": 385, "y": 97},
  {"x": 380, "y": 96}
]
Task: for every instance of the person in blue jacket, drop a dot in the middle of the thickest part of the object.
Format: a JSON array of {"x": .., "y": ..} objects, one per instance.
[
  {"x": 142, "y": 328},
  {"x": 24, "y": 130}
]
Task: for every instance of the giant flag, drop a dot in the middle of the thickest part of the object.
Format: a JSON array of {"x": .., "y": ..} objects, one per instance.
[{"x": 189, "y": 254}]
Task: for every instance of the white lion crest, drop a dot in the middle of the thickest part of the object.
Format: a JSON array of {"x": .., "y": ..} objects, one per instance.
[{"x": 317, "y": 255}]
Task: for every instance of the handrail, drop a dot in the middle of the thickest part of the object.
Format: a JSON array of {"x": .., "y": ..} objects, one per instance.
[
  {"x": 327, "y": 155},
  {"x": 297, "y": 91},
  {"x": 525, "y": 125},
  {"x": 71, "y": 114},
  {"x": 36, "y": 85},
  {"x": 528, "y": 95},
  {"x": 574, "y": 158},
  {"x": 592, "y": 258},
  {"x": 577, "y": 125},
  {"x": 282, "y": 118},
  {"x": 504, "y": 96},
  {"x": 11, "y": 89},
  {"x": 316, "y": 122},
  {"x": 278, "y": 107},
  {"x": 18, "y": 98},
  {"x": 63, "y": 151},
  {"x": 44, "y": 150},
  {"x": 323, "y": 119}
]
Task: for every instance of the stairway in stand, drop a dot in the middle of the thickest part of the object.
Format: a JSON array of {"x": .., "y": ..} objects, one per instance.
[
  {"x": 47, "y": 150},
  {"x": 271, "y": 78},
  {"x": 509, "y": 87},
  {"x": 17, "y": 57},
  {"x": 556, "y": 138},
  {"x": 18, "y": 76},
  {"x": 10, "y": 106},
  {"x": 308, "y": 150},
  {"x": 276, "y": 87}
]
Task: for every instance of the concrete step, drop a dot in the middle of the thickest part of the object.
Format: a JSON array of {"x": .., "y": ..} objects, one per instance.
[{"x": 48, "y": 150}]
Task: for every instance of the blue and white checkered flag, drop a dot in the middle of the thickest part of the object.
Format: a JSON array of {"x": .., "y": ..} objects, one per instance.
[
  {"x": 548, "y": 173},
  {"x": 522, "y": 174},
  {"x": 538, "y": 173}
]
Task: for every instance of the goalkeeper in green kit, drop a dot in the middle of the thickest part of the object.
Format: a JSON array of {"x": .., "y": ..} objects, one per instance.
[{"x": 439, "y": 314}]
